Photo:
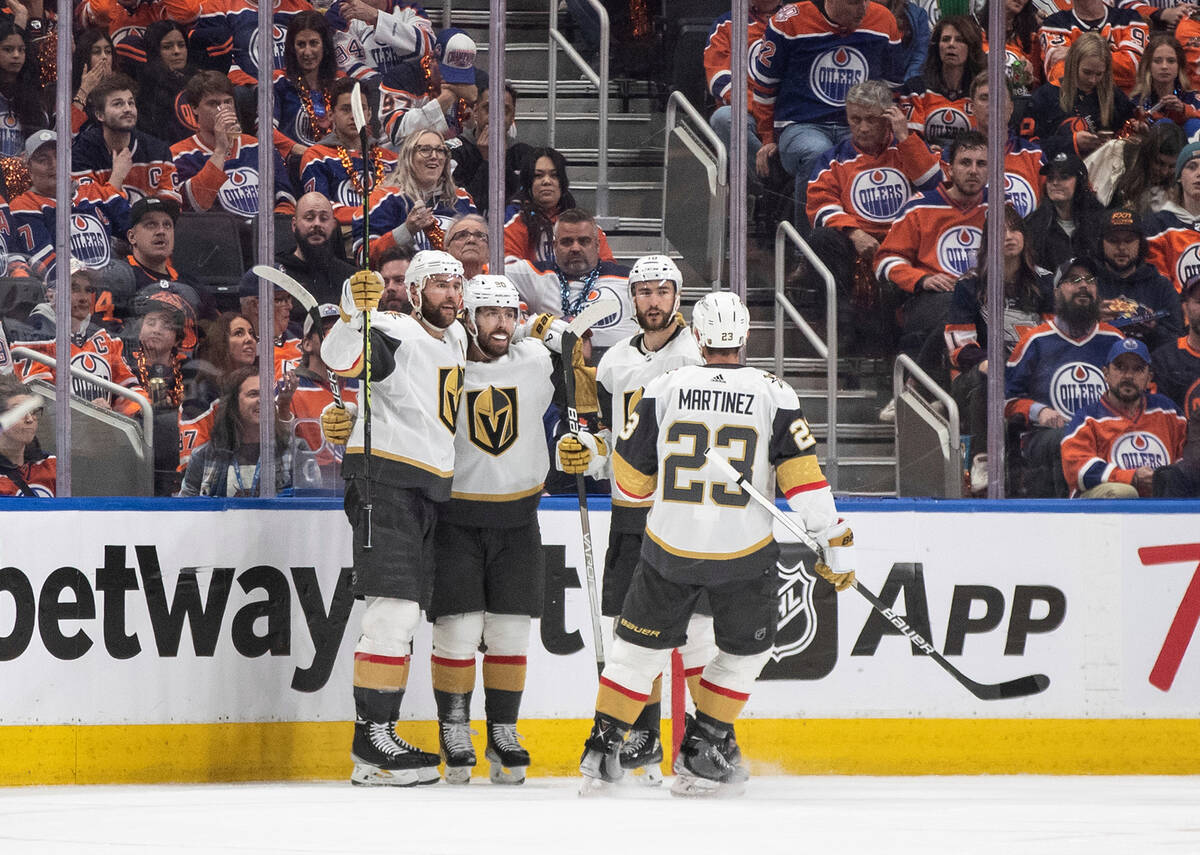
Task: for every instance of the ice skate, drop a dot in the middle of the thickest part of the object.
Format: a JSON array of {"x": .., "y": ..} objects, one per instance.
[
  {"x": 507, "y": 757},
  {"x": 600, "y": 764},
  {"x": 454, "y": 739},
  {"x": 642, "y": 756},
  {"x": 382, "y": 759},
  {"x": 701, "y": 769}
]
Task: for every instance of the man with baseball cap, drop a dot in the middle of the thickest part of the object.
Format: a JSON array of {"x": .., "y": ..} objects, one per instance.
[
  {"x": 447, "y": 90},
  {"x": 1174, "y": 241},
  {"x": 1112, "y": 446},
  {"x": 1134, "y": 296}
]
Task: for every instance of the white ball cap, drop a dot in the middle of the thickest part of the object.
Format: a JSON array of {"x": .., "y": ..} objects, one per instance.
[
  {"x": 431, "y": 262},
  {"x": 720, "y": 319}
]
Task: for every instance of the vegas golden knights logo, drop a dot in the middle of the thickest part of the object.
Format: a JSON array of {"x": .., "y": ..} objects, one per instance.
[
  {"x": 632, "y": 398},
  {"x": 492, "y": 415},
  {"x": 450, "y": 387}
]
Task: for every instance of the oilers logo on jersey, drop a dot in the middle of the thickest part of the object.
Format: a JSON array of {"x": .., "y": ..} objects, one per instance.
[
  {"x": 879, "y": 194},
  {"x": 278, "y": 33},
  {"x": 1019, "y": 193},
  {"x": 1139, "y": 448},
  {"x": 492, "y": 418},
  {"x": 95, "y": 366},
  {"x": 611, "y": 320},
  {"x": 450, "y": 387},
  {"x": 89, "y": 241},
  {"x": 1188, "y": 264},
  {"x": 957, "y": 248},
  {"x": 946, "y": 123},
  {"x": 184, "y": 112},
  {"x": 347, "y": 196},
  {"x": 239, "y": 194},
  {"x": 834, "y": 72},
  {"x": 1074, "y": 386}
]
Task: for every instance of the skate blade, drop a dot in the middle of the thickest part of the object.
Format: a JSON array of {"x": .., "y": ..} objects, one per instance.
[
  {"x": 644, "y": 776},
  {"x": 590, "y": 787},
  {"x": 691, "y": 787},
  {"x": 372, "y": 776},
  {"x": 513, "y": 776},
  {"x": 458, "y": 775}
]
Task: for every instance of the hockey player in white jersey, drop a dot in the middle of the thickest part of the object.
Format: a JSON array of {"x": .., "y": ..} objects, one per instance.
[
  {"x": 416, "y": 377},
  {"x": 489, "y": 565},
  {"x": 664, "y": 343},
  {"x": 703, "y": 535}
]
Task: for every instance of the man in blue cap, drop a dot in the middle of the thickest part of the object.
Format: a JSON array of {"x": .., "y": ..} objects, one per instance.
[
  {"x": 432, "y": 96},
  {"x": 1112, "y": 447}
]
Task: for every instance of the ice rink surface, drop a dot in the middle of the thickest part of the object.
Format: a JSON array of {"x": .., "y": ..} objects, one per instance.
[{"x": 1005, "y": 815}]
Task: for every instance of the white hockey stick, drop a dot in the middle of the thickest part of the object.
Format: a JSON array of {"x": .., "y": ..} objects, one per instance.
[
  {"x": 592, "y": 314},
  {"x": 1018, "y": 688},
  {"x": 14, "y": 415}
]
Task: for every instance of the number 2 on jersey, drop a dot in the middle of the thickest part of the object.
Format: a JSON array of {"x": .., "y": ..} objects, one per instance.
[{"x": 698, "y": 433}]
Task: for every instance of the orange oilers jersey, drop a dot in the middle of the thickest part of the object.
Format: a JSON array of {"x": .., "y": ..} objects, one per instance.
[
  {"x": 1174, "y": 240},
  {"x": 516, "y": 241},
  {"x": 100, "y": 355},
  {"x": 1125, "y": 32},
  {"x": 933, "y": 235},
  {"x": 718, "y": 50},
  {"x": 935, "y": 117},
  {"x": 312, "y": 396},
  {"x": 127, "y": 28},
  {"x": 1188, "y": 36},
  {"x": 40, "y": 475},
  {"x": 1023, "y": 181},
  {"x": 1101, "y": 445},
  {"x": 231, "y": 27},
  {"x": 853, "y": 190},
  {"x": 193, "y": 433}
]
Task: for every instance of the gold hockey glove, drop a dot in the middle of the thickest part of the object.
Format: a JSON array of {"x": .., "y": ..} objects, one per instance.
[
  {"x": 575, "y": 452},
  {"x": 366, "y": 287},
  {"x": 839, "y": 556},
  {"x": 336, "y": 424}
]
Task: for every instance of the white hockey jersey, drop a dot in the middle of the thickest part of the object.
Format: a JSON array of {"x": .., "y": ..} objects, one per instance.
[
  {"x": 700, "y": 529},
  {"x": 622, "y": 375},
  {"x": 500, "y": 454},
  {"x": 416, "y": 387}
]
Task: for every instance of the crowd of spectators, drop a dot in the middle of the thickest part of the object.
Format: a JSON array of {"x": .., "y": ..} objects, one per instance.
[{"x": 888, "y": 153}]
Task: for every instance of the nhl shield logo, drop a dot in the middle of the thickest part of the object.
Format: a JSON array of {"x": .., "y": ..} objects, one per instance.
[
  {"x": 957, "y": 248},
  {"x": 450, "y": 388},
  {"x": 834, "y": 72},
  {"x": 879, "y": 194},
  {"x": 806, "y": 637},
  {"x": 492, "y": 415}
]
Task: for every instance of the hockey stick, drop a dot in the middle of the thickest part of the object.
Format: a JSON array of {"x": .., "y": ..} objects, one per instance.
[
  {"x": 305, "y": 298},
  {"x": 13, "y": 415},
  {"x": 360, "y": 124},
  {"x": 591, "y": 314},
  {"x": 1018, "y": 688}
]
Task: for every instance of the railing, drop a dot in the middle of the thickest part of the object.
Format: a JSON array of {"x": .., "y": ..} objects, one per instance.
[
  {"x": 827, "y": 351},
  {"x": 147, "y": 412},
  {"x": 697, "y": 124},
  {"x": 600, "y": 81},
  {"x": 905, "y": 365}
]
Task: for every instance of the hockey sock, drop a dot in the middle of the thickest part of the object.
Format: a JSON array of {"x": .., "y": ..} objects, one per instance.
[
  {"x": 503, "y": 684},
  {"x": 692, "y": 676},
  {"x": 720, "y": 727},
  {"x": 650, "y": 718},
  {"x": 718, "y": 703},
  {"x": 453, "y": 676},
  {"x": 379, "y": 683}
]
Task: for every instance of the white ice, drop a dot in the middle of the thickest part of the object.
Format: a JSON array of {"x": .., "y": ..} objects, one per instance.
[{"x": 790, "y": 816}]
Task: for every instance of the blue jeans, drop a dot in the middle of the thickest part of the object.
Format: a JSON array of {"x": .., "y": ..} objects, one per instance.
[
  {"x": 799, "y": 147},
  {"x": 721, "y": 121}
]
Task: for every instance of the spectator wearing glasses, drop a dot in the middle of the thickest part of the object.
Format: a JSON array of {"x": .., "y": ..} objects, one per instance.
[
  {"x": 467, "y": 240},
  {"x": 25, "y": 470},
  {"x": 417, "y": 203}
]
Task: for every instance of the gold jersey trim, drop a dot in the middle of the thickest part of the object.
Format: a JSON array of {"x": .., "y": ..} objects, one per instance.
[
  {"x": 497, "y": 497},
  {"x": 798, "y": 472},
  {"x": 711, "y": 556},
  {"x": 375, "y": 452}
]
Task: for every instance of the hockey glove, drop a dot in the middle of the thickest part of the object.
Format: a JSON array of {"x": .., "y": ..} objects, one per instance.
[
  {"x": 581, "y": 454},
  {"x": 547, "y": 328},
  {"x": 366, "y": 287},
  {"x": 839, "y": 556},
  {"x": 336, "y": 423}
]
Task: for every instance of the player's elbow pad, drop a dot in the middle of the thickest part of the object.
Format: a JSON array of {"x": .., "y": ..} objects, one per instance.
[{"x": 816, "y": 507}]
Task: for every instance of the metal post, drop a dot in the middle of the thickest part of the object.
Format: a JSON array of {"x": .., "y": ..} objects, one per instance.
[
  {"x": 266, "y": 251},
  {"x": 497, "y": 153},
  {"x": 737, "y": 149},
  {"x": 552, "y": 76},
  {"x": 62, "y": 253},
  {"x": 602, "y": 114},
  {"x": 997, "y": 143}
]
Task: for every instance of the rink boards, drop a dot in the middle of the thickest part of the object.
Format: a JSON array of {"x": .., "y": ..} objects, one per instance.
[{"x": 187, "y": 641}]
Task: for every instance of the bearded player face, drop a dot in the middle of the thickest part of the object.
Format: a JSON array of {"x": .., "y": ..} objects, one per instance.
[
  {"x": 653, "y": 303},
  {"x": 495, "y": 325},
  {"x": 441, "y": 299}
]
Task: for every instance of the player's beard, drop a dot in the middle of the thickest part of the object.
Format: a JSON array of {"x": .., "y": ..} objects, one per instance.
[
  {"x": 1078, "y": 318},
  {"x": 492, "y": 349},
  {"x": 665, "y": 319},
  {"x": 440, "y": 317},
  {"x": 318, "y": 256}
]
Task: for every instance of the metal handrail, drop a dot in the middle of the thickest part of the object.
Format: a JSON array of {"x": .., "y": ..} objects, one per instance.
[
  {"x": 600, "y": 81},
  {"x": 147, "y": 411},
  {"x": 697, "y": 123},
  {"x": 827, "y": 351},
  {"x": 905, "y": 363}
]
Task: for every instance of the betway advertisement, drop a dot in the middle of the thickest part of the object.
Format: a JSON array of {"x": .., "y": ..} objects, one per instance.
[{"x": 246, "y": 615}]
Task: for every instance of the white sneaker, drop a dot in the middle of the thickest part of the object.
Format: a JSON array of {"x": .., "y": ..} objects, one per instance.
[
  {"x": 979, "y": 473},
  {"x": 888, "y": 414}
]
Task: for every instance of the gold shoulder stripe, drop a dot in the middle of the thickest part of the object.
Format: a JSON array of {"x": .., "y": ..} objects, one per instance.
[
  {"x": 798, "y": 472},
  {"x": 633, "y": 482}
]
